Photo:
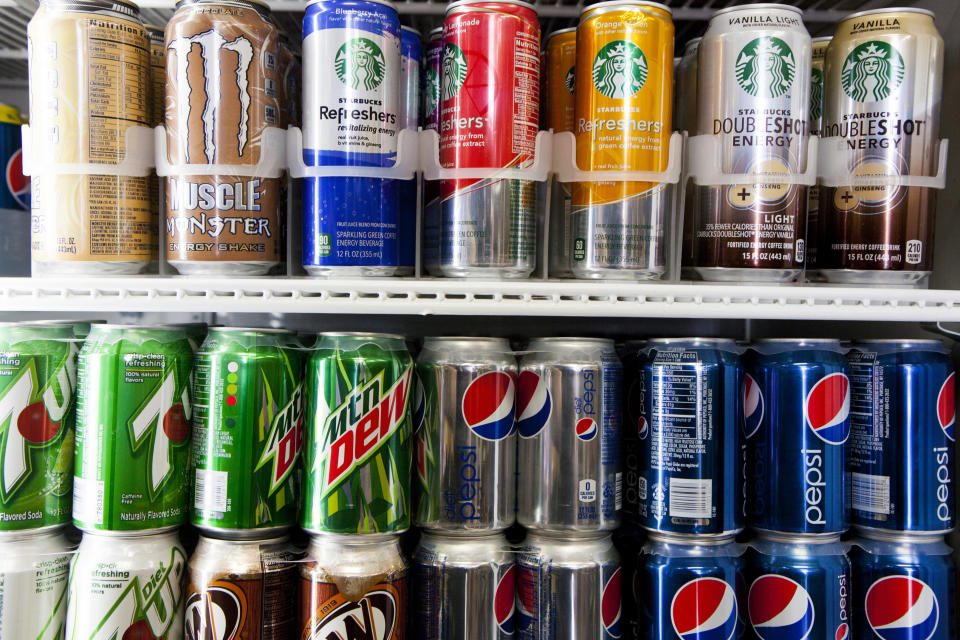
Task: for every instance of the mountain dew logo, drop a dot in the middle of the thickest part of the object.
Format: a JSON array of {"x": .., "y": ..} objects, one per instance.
[
  {"x": 454, "y": 67},
  {"x": 766, "y": 67},
  {"x": 162, "y": 422},
  {"x": 816, "y": 94},
  {"x": 872, "y": 71},
  {"x": 285, "y": 438},
  {"x": 431, "y": 90},
  {"x": 359, "y": 64},
  {"x": 619, "y": 69}
]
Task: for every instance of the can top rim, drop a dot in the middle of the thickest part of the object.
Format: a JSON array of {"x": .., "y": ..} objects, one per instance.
[
  {"x": 361, "y": 334},
  {"x": 643, "y": 4},
  {"x": 437, "y": 30},
  {"x": 759, "y": 5},
  {"x": 39, "y": 324},
  {"x": 248, "y": 329},
  {"x": 353, "y": 538},
  {"x": 710, "y": 540},
  {"x": 580, "y": 339},
  {"x": 868, "y": 12},
  {"x": 691, "y": 43},
  {"x": 559, "y": 31},
  {"x": 898, "y": 341},
  {"x": 585, "y": 536},
  {"x": 406, "y": 28},
  {"x": 793, "y": 538},
  {"x": 214, "y": 540},
  {"x": 800, "y": 340},
  {"x": 901, "y": 537},
  {"x": 821, "y": 39},
  {"x": 710, "y": 340},
  {"x": 31, "y": 534},
  {"x": 136, "y": 327},
  {"x": 453, "y": 6},
  {"x": 261, "y": 4},
  {"x": 490, "y": 339},
  {"x": 383, "y": 2},
  {"x": 131, "y": 6}
]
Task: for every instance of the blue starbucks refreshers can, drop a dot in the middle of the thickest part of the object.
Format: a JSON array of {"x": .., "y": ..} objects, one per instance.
[
  {"x": 351, "y": 116},
  {"x": 901, "y": 448},
  {"x": 16, "y": 195},
  {"x": 796, "y": 399},
  {"x": 410, "y": 54}
]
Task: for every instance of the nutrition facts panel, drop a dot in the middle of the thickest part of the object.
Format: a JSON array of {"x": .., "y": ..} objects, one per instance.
[
  {"x": 680, "y": 399},
  {"x": 526, "y": 91}
]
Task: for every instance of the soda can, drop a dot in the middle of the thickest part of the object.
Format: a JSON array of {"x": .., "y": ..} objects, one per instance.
[
  {"x": 568, "y": 588},
  {"x": 241, "y": 589},
  {"x": 466, "y": 442},
  {"x": 685, "y": 119},
  {"x": 691, "y": 589},
  {"x": 634, "y": 426},
  {"x": 133, "y": 430},
  {"x": 89, "y": 223},
  {"x": 17, "y": 194},
  {"x": 463, "y": 587},
  {"x": 627, "y": 540},
  {"x": 903, "y": 588},
  {"x": 624, "y": 101},
  {"x": 247, "y": 433},
  {"x": 568, "y": 418},
  {"x": 816, "y": 122},
  {"x": 488, "y": 117},
  {"x": 127, "y": 586},
  {"x": 430, "y": 101},
  {"x": 690, "y": 438},
  {"x": 884, "y": 85},
  {"x": 158, "y": 84},
  {"x": 903, "y": 409},
  {"x": 796, "y": 408},
  {"x": 798, "y": 588},
  {"x": 410, "y": 58},
  {"x": 33, "y": 584},
  {"x": 38, "y": 382},
  {"x": 558, "y": 104},
  {"x": 753, "y": 60},
  {"x": 358, "y": 445},
  {"x": 353, "y": 585},
  {"x": 351, "y": 62}
]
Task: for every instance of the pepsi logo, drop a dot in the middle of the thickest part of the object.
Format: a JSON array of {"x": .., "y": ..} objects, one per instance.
[
  {"x": 17, "y": 183},
  {"x": 488, "y": 405},
  {"x": 843, "y": 631},
  {"x": 586, "y": 429},
  {"x": 827, "y": 408},
  {"x": 422, "y": 456},
  {"x": 780, "y": 609},
  {"x": 704, "y": 609},
  {"x": 533, "y": 408},
  {"x": 902, "y": 608},
  {"x": 753, "y": 406},
  {"x": 504, "y": 601},
  {"x": 610, "y": 605},
  {"x": 419, "y": 411},
  {"x": 946, "y": 406},
  {"x": 643, "y": 427}
]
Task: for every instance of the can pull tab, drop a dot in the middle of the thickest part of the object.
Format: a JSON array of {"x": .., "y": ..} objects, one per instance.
[
  {"x": 404, "y": 168},
  {"x": 704, "y": 165},
  {"x": 566, "y": 169},
  {"x": 273, "y": 146},
  {"x": 835, "y": 170},
  {"x": 38, "y": 155}
]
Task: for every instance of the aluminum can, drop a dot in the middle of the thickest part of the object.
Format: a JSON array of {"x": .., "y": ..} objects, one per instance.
[
  {"x": 351, "y": 62},
  {"x": 796, "y": 408},
  {"x": 901, "y": 454},
  {"x": 568, "y": 418},
  {"x": 354, "y": 584},
  {"x": 558, "y": 108},
  {"x": 38, "y": 382},
  {"x": 17, "y": 194},
  {"x": 691, "y": 590},
  {"x": 158, "y": 84},
  {"x": 247, "y": 433},
  {"x": 134, "y": 409},
  {"x": 903, "y": 588},
  {"x": 685, "y": 119},
  {"x": 690, "y": 438},
  {"x": 430, "y": 100},
  {"x": 819, "y": 48},
  {"x": 488, "y": 117},
  {"x": 634, "y": 425},
  {"x": 358, "y": 444},
  {"x": 884, "y": 84},
  {"x": 628, "y": 540},
  {"x": 624, "y": 103},
  {"x": 411, "y": 54},
  {"x": 754, "y": 61},
  {"x": 568, "y": 588},
  {"x": 798, "y": 588},
  {"x": 463, "y": 587},
  {"x": 33, "y": 584},
  {"x": 244, "y": 590},
  {"x": 88, "y": 223},
  {"x": 127, "y": 587},
  {"x": 466, "y": 442}
]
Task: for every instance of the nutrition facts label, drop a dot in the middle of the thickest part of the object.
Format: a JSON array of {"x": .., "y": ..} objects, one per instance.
[
  {"x": 526, "y": 92},
  {"x": 867, "y": 427}
]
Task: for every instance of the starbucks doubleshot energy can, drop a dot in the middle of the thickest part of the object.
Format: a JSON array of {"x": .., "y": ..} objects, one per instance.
[
  {"x": 559, "y": 76},
  {"x": 33, "y": 585}
]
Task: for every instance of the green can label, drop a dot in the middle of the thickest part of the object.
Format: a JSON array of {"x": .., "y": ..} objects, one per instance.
[{"x": 425, "y": 416}]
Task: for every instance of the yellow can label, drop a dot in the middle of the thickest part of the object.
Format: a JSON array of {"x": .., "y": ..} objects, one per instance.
[{"x": 560, "y": 64}]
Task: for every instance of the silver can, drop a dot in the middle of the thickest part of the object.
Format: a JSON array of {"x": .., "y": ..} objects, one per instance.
[
  {"x": 463, "y": 588},
  {"x": 559, "y": 72},
  {"x": 568, "y": 419},
  {"x": 466, "y": 442},
  {"x": 816, "y": 120},
  {"x": 33, "y": 584}
]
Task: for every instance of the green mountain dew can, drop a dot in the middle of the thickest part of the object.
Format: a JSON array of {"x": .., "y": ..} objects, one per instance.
[
  {"x": 358, "y": 447},
  {"x": 133, "y": 429},
  {"x": 247, "y": 433},
  {"x": 38, "y": 380}
]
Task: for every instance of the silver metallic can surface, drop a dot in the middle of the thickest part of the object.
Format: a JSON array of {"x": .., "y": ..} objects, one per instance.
[
  {"x": 33, "y": 585},
  {"x": 816, "y": 120},
  {"x": 753, "y": 93},
  {"x": 568, "y": 419},
  {"x": 466, "y": 442},
  {"x": 463, "y": 588},
  {"x": 560, "y": 55},
  {"x": 430, "y": 82}
]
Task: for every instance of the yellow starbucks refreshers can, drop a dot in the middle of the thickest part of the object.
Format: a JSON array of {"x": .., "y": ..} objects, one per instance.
[
  {"x": 558, "y": 109},
  {"x": 623, "y": 104}
]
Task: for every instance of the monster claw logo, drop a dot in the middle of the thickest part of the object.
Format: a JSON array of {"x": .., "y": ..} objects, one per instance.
[
  {"x": 872, "y": 71},
  {"x": 454, "y": 70},
  {"x": 569, "y": 79},
  {"x": 359, "y": 64},
  {"x": 619, "y": 69},
  {"x": 284, "y": 443},
  {"x": 164, "y": 422},
  {"x": 766, "y": 67},
  {"x": 216, "y": 613}
]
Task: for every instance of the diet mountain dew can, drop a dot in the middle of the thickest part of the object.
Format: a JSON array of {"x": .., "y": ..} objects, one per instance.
[
  {"x": 247, "y": 433},
  {"x": 358, "y": 446},
  {"x": 38, "y": 379},
  {"x": 133, "y": 429},
  {"x": 33, "y": 585}
]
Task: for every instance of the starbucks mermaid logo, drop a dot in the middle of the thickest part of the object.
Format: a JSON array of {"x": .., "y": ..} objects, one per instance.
[
  {"x": 431, "y": 90},
  {"x": 359, "y": 64},
  {"x": 568, "y": 80},
  {"x": 766, "y": 67},
  {"x": 454, "y": 68},
  {"x": 816, "y": 93},
  {"x": 619, "y": 69},
  {"x": 872, "y": 71}
]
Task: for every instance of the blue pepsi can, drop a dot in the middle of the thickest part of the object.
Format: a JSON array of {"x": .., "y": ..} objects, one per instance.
[
  {"x": 690, "y": 478},
  {"x": 16, "y": 195},
  {"x": 633, "y": 424},
  {"x": 798, "y": 588},
  {"x": 351, "y": 117},
  {"x": 691, "y": 590},
  {"x": 903, "y": 590},
  {"x": 796, "y": 416},
  {"x": 411, "y": 52},
  {"x": 903, "y": 410},
  {"x": 628, "y": 539}
]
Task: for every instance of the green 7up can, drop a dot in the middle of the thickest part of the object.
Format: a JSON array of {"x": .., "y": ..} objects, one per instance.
[
  {"x": 247, "y": 433},
  {"x": 133, "y": 429},
  {"x": 358, "y": 447},
  {"x": 38, "y": 379}
]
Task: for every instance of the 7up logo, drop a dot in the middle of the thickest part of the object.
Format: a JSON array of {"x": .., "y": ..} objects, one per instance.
[
  {"x": 163, "y": 421},
  {"x": 872, "y": 71},
  {"x": 766, "y": 67},
  {"x": 454, "y": 70},
  {"x": 619, "y": 69},
  {"x": 359, "y": 64},
  {"x": 285, "y": 440}
]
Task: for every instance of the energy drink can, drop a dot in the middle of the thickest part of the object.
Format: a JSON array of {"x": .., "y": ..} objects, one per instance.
[
  {"x": 410, "y": 59},
  {"x": 816, "y": 122},
  {"x": 558, "y": 107},
  {"x": 430, "y": 102},
  {"x": 158, "y": 99},
  {"x": 685, "y": 119}
]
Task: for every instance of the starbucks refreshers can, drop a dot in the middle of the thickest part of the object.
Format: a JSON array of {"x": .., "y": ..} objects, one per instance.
[
  {"x": 559, "y": 74},
  {"x": 753, "y": 95},
  {"x": 884, "y": 81},
  {"x": 358, "y": 444},
  {"x": 430, "y": 100},
  {"x": 816, "y": 120},
  {"x": 38, "y": 380},
  {"x": 89, "y": 82},
  {"x": 124, "y": 587},
  {"x": 410, "y": 58},
  {"x": 133, "y": 430},
  {"x": 33, "y": 584},
  {"x": 247, "y": 433},
  {"x": 623, "y": 109}
]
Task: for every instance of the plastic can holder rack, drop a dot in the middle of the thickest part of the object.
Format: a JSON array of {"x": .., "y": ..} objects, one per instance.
[
  {"x": 835, "y": 172},
  {"x": 138, "y": 159},
  {"x": 565, "y": 167},
  {"x": 704, "y": 162}
]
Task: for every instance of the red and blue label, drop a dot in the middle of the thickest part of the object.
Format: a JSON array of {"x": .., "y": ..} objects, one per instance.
[
  {"x": 18, "y": 185},
  {"x": 827, "y": 408},
  {"x": 902, "y": 608},
  {"x": 704, "y": 609},
  {"x": 610, "y": 605},
  {"x": 488, "y": 405},
  {"x": 780, "y": 609},
  {"x": 946, "y": 406},
  {"x": 753, "y": 406},
  {"x": 534, "y": 404},
  {"x": 504, "y": 601}
]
